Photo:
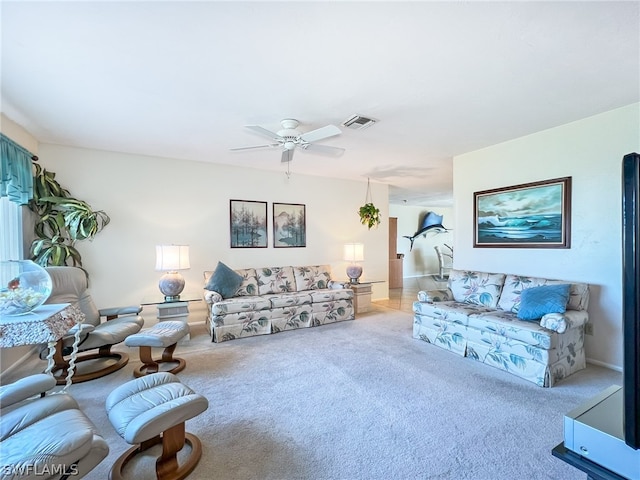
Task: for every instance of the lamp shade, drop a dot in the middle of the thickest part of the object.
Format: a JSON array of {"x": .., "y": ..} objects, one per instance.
[
  {"x": 170, "y": 258},
  {"x": 354, "y": 252}
]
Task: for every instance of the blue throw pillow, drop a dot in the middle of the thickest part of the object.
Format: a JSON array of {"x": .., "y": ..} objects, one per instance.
[
  {"x": 538, "y": 301},
  {"x": 224, "y": 281}
]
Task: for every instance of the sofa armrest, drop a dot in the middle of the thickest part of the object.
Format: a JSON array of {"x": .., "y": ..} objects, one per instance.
[
  {"x": 334, "y": 285},
  {"x": 561, "y": 322},
  {"x": 432, "y": 296},
  {"x": 25, "y": 388},
  {"x": 212, "y": 297}
]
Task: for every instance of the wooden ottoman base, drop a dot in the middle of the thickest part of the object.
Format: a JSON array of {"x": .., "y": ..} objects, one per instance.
[
  {"x": 167, "y": 467},
  {"x": 149, "y": 365}
]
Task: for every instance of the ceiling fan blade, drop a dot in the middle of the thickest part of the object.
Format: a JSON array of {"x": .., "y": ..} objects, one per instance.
[
  {"x": 323, "y": 149},
  {"x": 264, "y": 132},
  {"x": 271, "y": 145},
  {"x": 287, "y": 155},
  {"x": 320, "y": 133}
]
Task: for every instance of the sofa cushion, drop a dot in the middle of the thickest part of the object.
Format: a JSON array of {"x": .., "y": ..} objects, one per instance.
[
  {"x": 224, "y": 280},
  {"x": 330, "y": 295},
  {"x": 240, "y": 304},
  {"x": 289, "y": 299},
  {"x": 515, "y": 284},
  {"x": 249, "y": 285},
  {"x": 451, "y": 311},
  {"x": 478, "y": 288},
  {"x": 313, "y": 277},
  {"x": 507, "y": 325},
  {"x": 275, "y": 280},
  {"x": 538, "y": 301}
]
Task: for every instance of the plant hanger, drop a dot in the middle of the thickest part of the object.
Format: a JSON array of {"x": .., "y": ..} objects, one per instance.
[{"x": 369, "y": 214}]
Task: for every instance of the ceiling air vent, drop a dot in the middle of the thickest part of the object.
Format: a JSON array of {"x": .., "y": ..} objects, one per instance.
[{"x": 358, "y": 122}]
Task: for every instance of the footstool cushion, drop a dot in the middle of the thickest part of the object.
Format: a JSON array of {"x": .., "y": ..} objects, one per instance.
[
  {"x": 151, "y": 410},
  {"x": 149, "y": 405},
  {"x": 161, "y": 335}
]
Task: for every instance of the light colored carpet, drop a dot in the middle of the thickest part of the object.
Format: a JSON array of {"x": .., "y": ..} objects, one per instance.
[{"x": 356, "y": 400}]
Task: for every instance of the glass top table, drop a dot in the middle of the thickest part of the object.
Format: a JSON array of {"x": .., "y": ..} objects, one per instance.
[{"x": 158, "y": 299}]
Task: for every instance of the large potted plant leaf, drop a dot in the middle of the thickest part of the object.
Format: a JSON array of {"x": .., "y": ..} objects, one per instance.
[{"x": 61, "y": 221}]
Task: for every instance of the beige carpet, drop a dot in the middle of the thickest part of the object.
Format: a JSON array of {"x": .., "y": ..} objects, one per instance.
[{"x": 356, "y": 400}]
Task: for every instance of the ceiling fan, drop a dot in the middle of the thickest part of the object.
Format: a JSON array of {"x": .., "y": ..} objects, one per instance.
[{"x": 290, "y": 137}]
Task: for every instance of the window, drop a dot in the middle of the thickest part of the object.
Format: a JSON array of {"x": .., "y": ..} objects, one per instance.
[{"x": 11, "y": 228}]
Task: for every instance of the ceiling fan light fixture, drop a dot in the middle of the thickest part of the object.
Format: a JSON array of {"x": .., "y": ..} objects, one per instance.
[
  {"x": 358, "y": 122},
  {"x": 289, "y": 145}
]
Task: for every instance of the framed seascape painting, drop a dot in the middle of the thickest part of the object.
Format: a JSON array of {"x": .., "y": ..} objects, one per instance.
[
  {"x": 531, "y": 215},
  {"x": 289, "y": 225},
  {"x": 248, "y": 224}
]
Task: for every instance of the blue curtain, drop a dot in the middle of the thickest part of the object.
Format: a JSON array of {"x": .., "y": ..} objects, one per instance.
[{"x": 16, "y": 174}]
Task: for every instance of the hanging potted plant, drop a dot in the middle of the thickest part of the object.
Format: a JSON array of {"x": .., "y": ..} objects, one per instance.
[
  {"x": 369, "y": 213},
  {"x": 61, "y": 221}
]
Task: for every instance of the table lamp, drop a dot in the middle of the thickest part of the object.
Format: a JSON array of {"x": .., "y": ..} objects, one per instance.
[
  {"x": 170, "y": 259},
  {"x": 354, "y": 252}
]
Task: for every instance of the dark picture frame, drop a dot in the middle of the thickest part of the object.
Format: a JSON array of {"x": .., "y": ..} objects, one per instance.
[
  {"x": 289, "y": 225},
  {"x": 530, "y": 215},
  {"x": 248, "y": 224}
]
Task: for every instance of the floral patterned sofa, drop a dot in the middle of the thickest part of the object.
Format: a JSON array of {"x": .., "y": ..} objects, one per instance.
[
  {"x": 273, "y": 299},
  {"x": 477, "y": 316}
]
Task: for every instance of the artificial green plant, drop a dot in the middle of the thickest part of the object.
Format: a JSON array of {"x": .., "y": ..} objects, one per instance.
[
  {"x": 369, "y": 214},
  {"x": 61, "y": 221}
]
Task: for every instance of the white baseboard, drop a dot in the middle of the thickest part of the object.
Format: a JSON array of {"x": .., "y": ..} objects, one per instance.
[{"x": 605, "y": 365}]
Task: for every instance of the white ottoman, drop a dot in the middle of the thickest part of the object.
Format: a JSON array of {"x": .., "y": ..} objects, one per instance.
[
  {"x": 152, "y": 410},
  {"x": 162, "y": 335}
]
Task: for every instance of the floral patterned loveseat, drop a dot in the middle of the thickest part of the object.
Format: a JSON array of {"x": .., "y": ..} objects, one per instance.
[
  {"x": 273, "y": 299},
  {"x": 477, "y": 317}
]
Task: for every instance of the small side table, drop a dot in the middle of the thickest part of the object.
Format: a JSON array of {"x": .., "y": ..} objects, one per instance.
[
  {"x": 177, "y": 310},
  {"x": 46, "y": 324},
  {"x": 362, "y": 295}
]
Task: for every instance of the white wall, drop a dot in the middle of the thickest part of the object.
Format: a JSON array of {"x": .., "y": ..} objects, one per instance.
[
  {"x": 422, "y": 259},
  {"x": 158, "y": 200},
  {"x": 590, "y": 151}
]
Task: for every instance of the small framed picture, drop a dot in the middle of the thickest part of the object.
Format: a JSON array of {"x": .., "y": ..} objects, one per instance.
[
  {"x": 248, "y": 224},
  {"x": 289, "y": 225}
]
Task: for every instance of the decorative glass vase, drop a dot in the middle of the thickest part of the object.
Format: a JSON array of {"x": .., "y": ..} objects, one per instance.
[{"x": 24, "y": 285}]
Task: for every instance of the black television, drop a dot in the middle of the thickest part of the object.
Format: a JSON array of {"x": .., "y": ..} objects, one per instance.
[{"x": 631, "y": 297}]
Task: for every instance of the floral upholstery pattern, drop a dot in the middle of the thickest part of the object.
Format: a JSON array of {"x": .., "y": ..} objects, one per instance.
[
  {"x": 515, "y": 284},
  {"x": 240, "y": 304},
  {"x": 275, "y": 299},
  {"x": 541, "y": 352},
  {"x": 476, "y": 287},
  {"x": 431, "y": 296},
  {"x": 312, "y": 278},
  {"x": 275, "y": 280},
  {"x": 332, "y": 311},
  {"x": 249, "y": 285}
]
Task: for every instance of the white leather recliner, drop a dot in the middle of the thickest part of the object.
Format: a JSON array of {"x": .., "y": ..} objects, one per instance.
[
  {"x": 45, "y": 436},
  {"x": 70, "y": 285}
]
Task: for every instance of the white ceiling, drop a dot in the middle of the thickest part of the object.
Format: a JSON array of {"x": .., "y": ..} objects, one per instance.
[{"x": 181, "y": 79}]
